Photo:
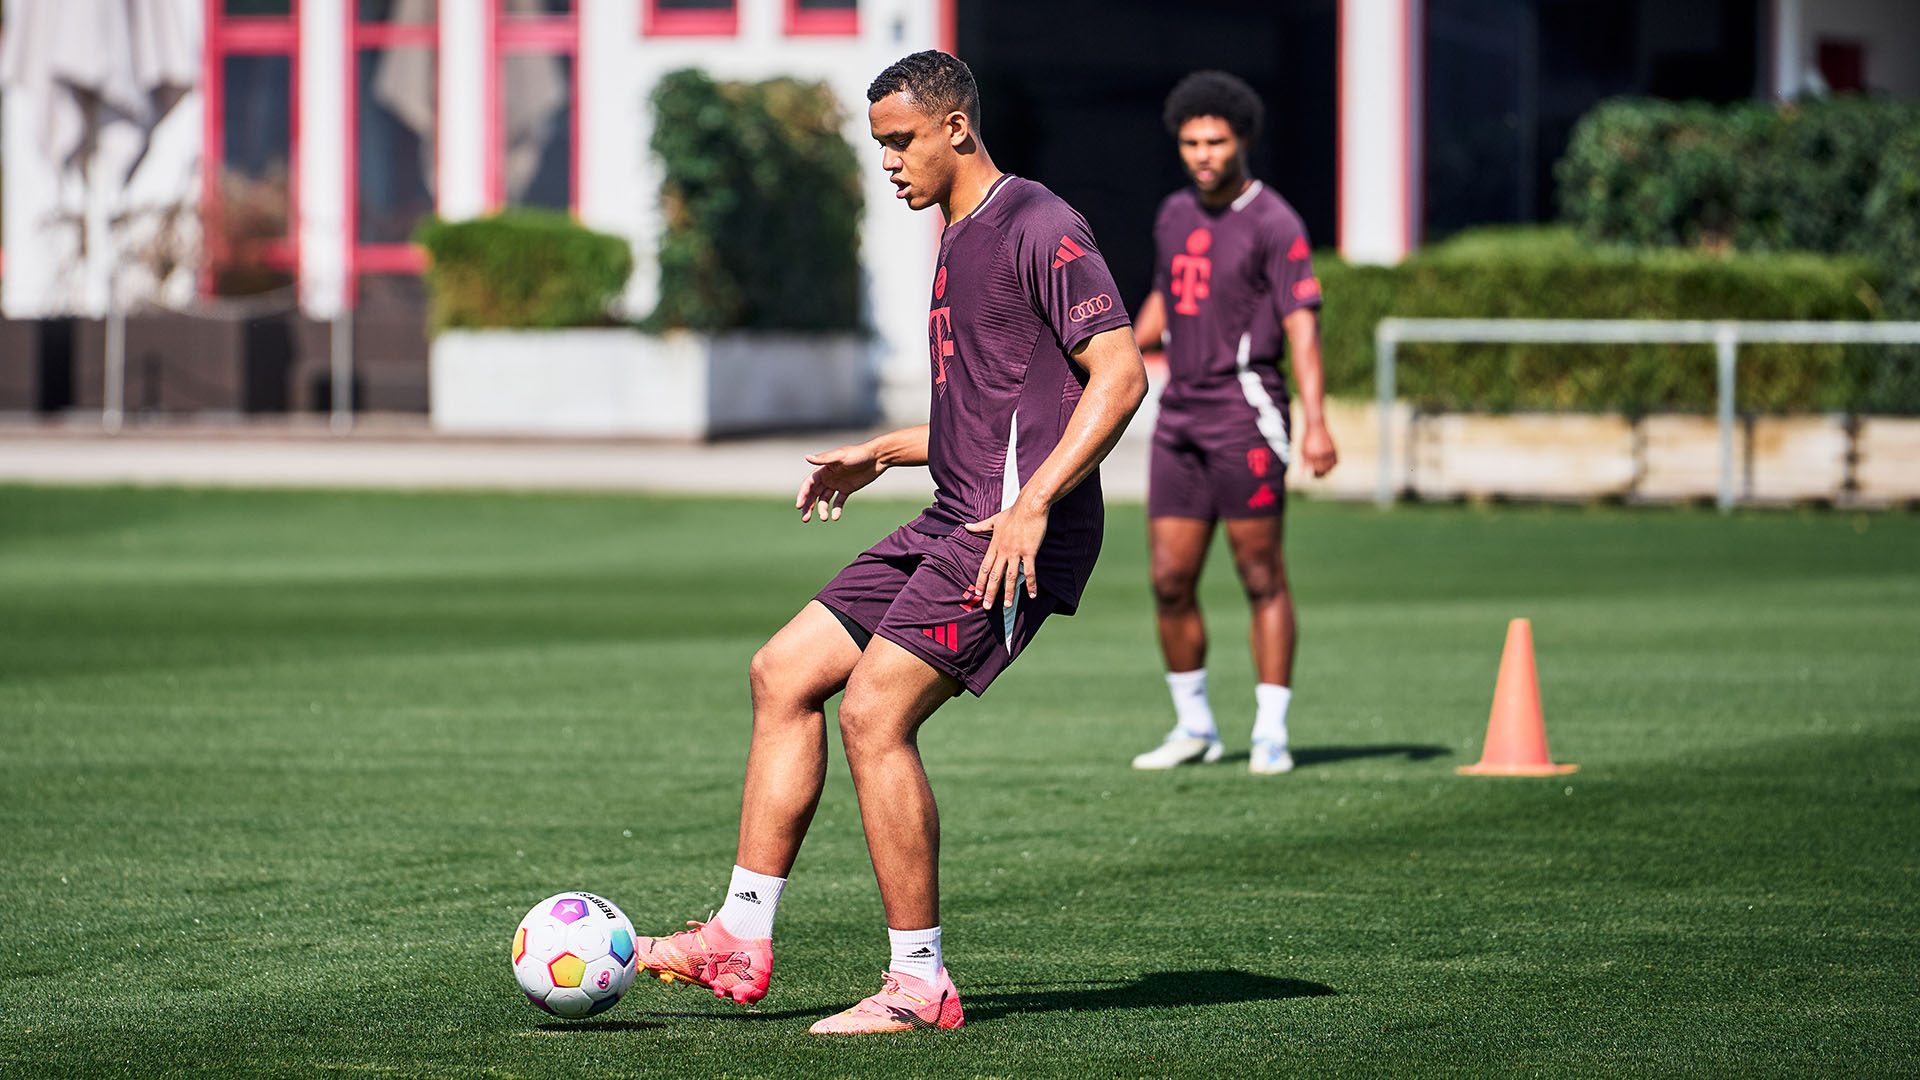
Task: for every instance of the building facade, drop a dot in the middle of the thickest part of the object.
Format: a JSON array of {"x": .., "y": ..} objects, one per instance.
[{"x": 290, "y": 147}]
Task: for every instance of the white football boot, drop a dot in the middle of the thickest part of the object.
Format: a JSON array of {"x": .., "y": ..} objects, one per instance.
[
  {"x": 1270, "y": 757},
  {"x": 1181, "y": 747}
]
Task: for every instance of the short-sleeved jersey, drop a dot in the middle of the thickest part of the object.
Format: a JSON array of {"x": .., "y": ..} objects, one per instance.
[
  {"x": 1020, "y": 284},
  {"x": 1229, "y": 276}
]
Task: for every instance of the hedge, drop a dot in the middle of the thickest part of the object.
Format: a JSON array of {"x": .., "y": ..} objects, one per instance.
[
  {"x": 1838, "y": 175},
  {"x": 1754, "y": 176},
  {"x": 1894, "y": 207},
  {"x": 521, "y": 268},
  {"x": 762, "y": 205},
  {"x": 1547, "y": 272}
]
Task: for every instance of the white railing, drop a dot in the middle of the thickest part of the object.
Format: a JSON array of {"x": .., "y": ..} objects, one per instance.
[{"x": 1725, "y": 336}]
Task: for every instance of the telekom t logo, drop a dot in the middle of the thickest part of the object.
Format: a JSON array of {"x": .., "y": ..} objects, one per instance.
[
  {"x": 1191, "y": 272},
  {"x": 940, "y": 331},
  {"x": 940, "y": 342}
]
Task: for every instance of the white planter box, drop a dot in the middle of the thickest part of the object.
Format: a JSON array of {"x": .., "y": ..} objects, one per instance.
[
  {"x": 1523, "y": 455},
  {"x": 620, "y": 382}
]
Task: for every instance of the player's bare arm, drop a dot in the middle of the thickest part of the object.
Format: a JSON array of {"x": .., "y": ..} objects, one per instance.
[
  {"x": 1303, "y": 346},
  {"x": 1150, "y": 323},
  {"x": 1116, "y": 384},
  {"x": 846, "y": 469}
]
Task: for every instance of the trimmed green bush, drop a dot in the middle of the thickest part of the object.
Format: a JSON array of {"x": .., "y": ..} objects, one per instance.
[
  {"x": 1837, "y": 175},
  {"x": 1546, "y": 272},
  {"x": 1752, "y": 175},
  {"x": 762, "y": 205},
  {"x": 1892, "y": 215},
  {"x": 522, "y": 268}
]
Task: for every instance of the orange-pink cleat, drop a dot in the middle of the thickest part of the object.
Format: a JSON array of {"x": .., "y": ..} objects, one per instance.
[
  {"x": 734, "y": 968},
  {"x": 904, "y": 1003}
]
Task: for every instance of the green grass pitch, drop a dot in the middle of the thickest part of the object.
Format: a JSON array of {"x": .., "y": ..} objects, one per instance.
[{"x": 280, "y": 772}]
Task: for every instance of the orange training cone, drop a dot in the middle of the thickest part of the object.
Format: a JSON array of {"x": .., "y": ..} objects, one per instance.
[{"x": 1516, "y": 733}]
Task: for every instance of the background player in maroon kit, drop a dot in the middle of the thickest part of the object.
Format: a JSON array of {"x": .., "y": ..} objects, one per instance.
[
  {"x": 1035, "y": 375},
  {"x": 1233, "y": 289}
]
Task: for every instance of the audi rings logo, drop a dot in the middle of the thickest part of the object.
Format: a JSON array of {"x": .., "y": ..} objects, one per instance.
[{"x": 1099, "y": 305}]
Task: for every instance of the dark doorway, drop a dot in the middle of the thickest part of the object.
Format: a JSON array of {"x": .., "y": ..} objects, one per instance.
[
  {"x": 1507, "y": 80},
  {"x": 1071, "y": 93}
]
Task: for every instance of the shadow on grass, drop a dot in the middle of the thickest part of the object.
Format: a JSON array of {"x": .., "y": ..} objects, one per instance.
[
  {"x": 1308, "y": 756},
  {"x": 602, "y": 1026},
  {"x": 1158, "y": 990}
]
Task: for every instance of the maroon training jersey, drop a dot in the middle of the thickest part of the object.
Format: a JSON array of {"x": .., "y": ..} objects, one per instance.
[
  {"x": 1228, "y": 276},
  {"x": 1020, "y": 284}
]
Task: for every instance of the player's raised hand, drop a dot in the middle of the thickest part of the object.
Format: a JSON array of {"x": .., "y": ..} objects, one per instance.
[
  {"x": 1017, "y": 532},
  {"x": 840, "y": 473}
]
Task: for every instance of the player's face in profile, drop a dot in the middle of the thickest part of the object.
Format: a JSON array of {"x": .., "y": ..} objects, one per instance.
[
  {"x": 1211, "y": 152},
  {"x": 914, "y": 149}
]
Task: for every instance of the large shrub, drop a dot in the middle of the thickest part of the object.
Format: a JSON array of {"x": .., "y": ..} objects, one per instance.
[
  {"x": 1892, "y": 216},
  {"x": 1836, "y": 175},
  {"x": 1534, "y": 272},
  {"x": 1752, "y": 175},
  {"x": 762, "y": 206},
  {"x": 522, "y": 268}
]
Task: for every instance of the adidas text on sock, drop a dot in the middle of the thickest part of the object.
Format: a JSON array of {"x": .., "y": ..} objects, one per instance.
[
  {"x": 751, "y": 901},
  {"x": 916, "y": 953}
]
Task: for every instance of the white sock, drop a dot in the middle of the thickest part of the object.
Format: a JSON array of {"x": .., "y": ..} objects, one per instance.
[
  {"x": 1270, "y": 712},
  {"x": 1190, "y": 706},
  {"x": 916, "y": 953},
  {"x": 751, "y": 900}
]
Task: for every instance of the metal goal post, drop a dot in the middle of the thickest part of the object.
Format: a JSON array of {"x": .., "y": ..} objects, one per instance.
[{"x": 1726, "y": 336}]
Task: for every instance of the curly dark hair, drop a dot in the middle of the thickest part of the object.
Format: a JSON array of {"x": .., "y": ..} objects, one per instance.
[
  {"x": 1216, "y": 93},
  {"x": 936, "y": 82}
]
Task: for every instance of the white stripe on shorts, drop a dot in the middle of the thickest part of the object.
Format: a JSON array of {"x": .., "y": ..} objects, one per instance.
[
  {"x": 1010, "y": 491},
  {"x": 1271, "y": 426}
]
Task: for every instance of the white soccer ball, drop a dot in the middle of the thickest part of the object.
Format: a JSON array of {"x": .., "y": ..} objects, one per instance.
[{"x": 574, "y": 954}]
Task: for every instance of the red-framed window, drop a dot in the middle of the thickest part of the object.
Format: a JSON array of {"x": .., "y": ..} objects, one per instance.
[
  {"x": 392, "y": 115},
  {"x": 533, "y": 104},
  {"x": 689, "y": 18},
  {"x": 815, "y": 18},
  {"x": 249, "y": 162}
]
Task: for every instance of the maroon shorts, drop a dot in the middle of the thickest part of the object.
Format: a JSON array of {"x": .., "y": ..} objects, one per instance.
[
  {"x": 1216, "y": 462},
  {"x": 910, "y": 588}
]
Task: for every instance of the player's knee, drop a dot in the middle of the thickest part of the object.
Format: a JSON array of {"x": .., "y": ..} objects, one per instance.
[
  {"x": 775, "y": 677},
  {"x": 864, "y": 723},
  {"x": 858, "y": 723},
  {"x": 1263, "y": 581},
  {"x": 1173, "y": 589}
]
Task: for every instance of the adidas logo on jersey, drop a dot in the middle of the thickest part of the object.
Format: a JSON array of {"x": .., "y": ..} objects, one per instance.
[{"x": 1067, "y": 252}]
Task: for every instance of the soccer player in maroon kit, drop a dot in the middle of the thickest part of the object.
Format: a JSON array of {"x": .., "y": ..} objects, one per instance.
[
  {"x": 1233, "y": 288},
  {"x": 1035, "y": 375}
]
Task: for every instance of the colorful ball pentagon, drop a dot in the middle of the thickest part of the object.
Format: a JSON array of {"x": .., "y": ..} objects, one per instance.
[{"x": 566, "y": 969}]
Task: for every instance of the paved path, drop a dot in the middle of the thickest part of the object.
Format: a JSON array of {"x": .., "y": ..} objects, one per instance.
[{"x": 389, "y": 452}]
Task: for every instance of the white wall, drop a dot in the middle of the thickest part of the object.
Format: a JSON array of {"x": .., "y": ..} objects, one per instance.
[
  {"x": 1890, "y": 30},
  {"x": 136, "y": 225},
  {"x": 460, "y": 184},
  {"x": 1380, "y": 127},
  {"x": 620, "y": 178},
  {"x": 321, "y": 98}
]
